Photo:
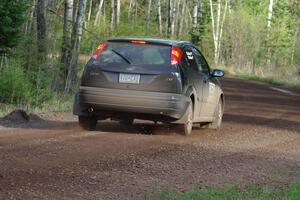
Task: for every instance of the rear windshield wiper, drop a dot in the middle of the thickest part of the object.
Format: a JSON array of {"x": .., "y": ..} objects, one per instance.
[{"x": 119, "y": 54}]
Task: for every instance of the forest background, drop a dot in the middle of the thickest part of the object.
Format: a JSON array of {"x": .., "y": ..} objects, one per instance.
[{"x": 44, "y": 44}]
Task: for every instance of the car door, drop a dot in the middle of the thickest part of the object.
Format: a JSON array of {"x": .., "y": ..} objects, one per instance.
[
  {"x": 208, "y": 86},
  {"x": 195, "y": 79}
]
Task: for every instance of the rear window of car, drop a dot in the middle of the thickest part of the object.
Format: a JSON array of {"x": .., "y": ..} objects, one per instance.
[{"x": 135, "y": 54}]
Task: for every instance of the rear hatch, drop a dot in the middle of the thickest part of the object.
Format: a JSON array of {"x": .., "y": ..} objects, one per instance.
[{"x": 134, "y": 65}]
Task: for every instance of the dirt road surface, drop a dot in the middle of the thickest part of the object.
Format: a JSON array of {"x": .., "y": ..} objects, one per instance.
[{"x": 52, "y": 158}]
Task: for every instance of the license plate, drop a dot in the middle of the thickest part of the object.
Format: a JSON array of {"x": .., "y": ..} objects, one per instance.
[{"x": 129, "y": 78}]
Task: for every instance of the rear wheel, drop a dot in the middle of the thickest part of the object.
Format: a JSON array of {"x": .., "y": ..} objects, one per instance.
[
  {"x": 87, "y": 123},
  {"x": 186, "y": 128},
  {"x": 216, "y": 123}
]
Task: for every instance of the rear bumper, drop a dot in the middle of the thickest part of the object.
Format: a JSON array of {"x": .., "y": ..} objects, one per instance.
[{"x": 131, "y": 101}]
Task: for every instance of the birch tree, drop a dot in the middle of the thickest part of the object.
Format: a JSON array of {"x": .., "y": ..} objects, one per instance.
[
  {"x": 182, "y": 15},
  {"x": 195, "y": 14},
  {"x": 76, "y": 39},
  {"x": 176, "y": 20},
  {"x": 41, "y": 41},
  {"x": 148, "y": 15},
  {"x": 41, "y": 29},
  {"x": 98, "y": 12},
  {"x": 67, "y": 30},
  {"x": 194, "y": 32},
  {"x": 90, "y": 11},
  {"x": 28, "y": 24},
  {"x": 270, "y": 14},
  {"x": 269, "y": 20},
  {"x": 217, "y": 27},
  {"x": 174, "y": 15},
  {"x": 169, "y": 18},
  {"x": 159, "y": 22},
  {"x": 118, "y": 7},
  {"x": 112, "y": 16}
]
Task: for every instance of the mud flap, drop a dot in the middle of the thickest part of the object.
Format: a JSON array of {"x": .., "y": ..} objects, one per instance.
[
  {"x": 184, "y": 117},
  {"x": 76, "y": 106}
]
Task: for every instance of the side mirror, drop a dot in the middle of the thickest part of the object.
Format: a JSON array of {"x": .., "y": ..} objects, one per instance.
[{"x": 217, "y": 73}]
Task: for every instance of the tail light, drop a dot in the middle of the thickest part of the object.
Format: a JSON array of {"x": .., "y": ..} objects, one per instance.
[
  {"x": 98, "y": 50},
  {"x": 138, "y": 42},
  {"x": 176, "y": 54}
]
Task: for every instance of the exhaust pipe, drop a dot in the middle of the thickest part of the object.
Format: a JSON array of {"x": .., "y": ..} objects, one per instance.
[{"x": 91, "y": 109}]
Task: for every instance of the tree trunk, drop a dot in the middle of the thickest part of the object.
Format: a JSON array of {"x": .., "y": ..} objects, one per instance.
[
  {"x": 104, "y": 12},
  {"x": 67, "y": 30},
  {"x": 169, "y": 19},
  {"x": 28, "y": 25},
  {"x": 217, "y": 27},
  {"x": 129, "y": 9},
  {"x": 148, "y": 15},
  {"x": 135, "y": 13},
  {"x": 90, "y": 11},
  {"x": 182, "y": 16},
  {"x": 112, "y": 16},
  {"x": 195, "y": 15},
  {"x": 174, "y": 10},
  {"x": 41, "y": 29},
  {"x": 295, "y": 40},
  {"x": 194, "y": 33},
  {"x": 177, "y": 17},
  {"x": 98, "y": 13},
  {"x": 159, "y": 18},
  {"x": 213, "y": 30},
  {"x": 118, "y": 12},
  {"x": 221, "y": 31},
  {"x": 75, "y": 10},
  {"x": 269, "y": 20},
  {"x": 76, "y": 38},
  {"x": 270, "y": 14},
  {"x": 41, "y": 42}
]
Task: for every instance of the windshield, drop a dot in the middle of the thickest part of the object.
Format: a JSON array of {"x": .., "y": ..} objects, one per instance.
[{"x": 135, "y": 54}]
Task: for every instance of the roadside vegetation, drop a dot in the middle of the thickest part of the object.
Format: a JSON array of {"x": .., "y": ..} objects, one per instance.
[
  {"x": 44, "y": 44},
  {"x": 253, "y": 192}
]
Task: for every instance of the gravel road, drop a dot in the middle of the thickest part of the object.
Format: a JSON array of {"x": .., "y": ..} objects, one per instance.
[{"x": 50, "y": 157}]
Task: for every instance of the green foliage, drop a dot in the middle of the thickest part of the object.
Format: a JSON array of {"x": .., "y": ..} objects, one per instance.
[
  {"x": 12, "y": 16},
  {"x": 246, "y": 46},
  {"x": 293, "y": 193},
  {"x": 14, "y": 85},
  {"x": 257, "y": 192}
]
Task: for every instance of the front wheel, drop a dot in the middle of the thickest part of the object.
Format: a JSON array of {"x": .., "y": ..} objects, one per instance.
[
  {"x": 186, "y": 128},
  {"x": 87, "y": 123}
]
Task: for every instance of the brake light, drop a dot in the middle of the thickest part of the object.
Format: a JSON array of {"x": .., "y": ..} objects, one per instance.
[
  {"x": 138, "y": 42},
  {"x": 98, "y": 50},
  {"x": 176, "y": 54}
]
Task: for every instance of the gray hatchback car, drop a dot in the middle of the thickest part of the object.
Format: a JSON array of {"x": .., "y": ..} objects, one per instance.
[{"x": 154, "y": 79}]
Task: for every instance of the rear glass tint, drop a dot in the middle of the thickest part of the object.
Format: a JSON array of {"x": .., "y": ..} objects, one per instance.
[{"x": 135, "y": 54}]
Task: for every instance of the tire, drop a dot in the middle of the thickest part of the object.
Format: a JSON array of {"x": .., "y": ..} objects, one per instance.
[
  {"x": 126, "y": 122},
  {"x": 87, "y": 123},
  {"x": 216, "y": 123},
  {"x": 186, "y": 129}
]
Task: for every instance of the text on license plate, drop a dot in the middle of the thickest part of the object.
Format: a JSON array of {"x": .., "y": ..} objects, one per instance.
[{"x": 129, "y": 78}]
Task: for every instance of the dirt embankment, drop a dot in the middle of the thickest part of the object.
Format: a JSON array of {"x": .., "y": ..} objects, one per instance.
[{"x": 49, "y": 157}]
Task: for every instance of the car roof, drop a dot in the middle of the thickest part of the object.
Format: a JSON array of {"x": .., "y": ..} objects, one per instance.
[{"x": 153, "y": 40}]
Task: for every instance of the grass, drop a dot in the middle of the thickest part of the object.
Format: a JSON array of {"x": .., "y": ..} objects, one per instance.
[
  {"x": 56, "y": 104},
  {"x": 252, "y": 192},
  {"x": 270, "y": 80},
  {"x": 277, "y": 79}
]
